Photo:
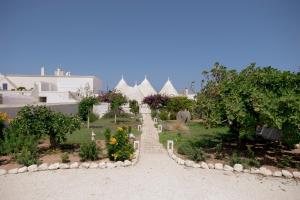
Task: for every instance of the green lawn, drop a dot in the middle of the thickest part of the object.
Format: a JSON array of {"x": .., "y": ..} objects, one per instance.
[
  {"x": 84, "y": 134},
  {"x": 196, "y": 132}
]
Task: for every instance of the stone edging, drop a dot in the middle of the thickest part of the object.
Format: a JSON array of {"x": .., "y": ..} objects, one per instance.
[
  {"x": 74, "y": 165},
  {"x": 236, "y": 168}
]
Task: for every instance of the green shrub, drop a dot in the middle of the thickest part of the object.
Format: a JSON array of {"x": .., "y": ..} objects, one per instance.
[
  {"x": 291, "y": 136},
  {"x": 193, "y": 153},
  {"x": 118, "y": 146},
  {"x": 197, "y": 154},
  {"x": 285, "y": 161},
  {"x": 219, "y": 154},
  {"x": 38, "y": 121},
  {"x": 235, "y": 159},
  {"x": 93, "y": 117},
  {"x": 252, "y": 162},
  {"x": 164, "y": 115},
  {"x": 111, "y": 115},
  {"x": 134, "y": 107},
  {"x": 154, "y": 113},
  {"x": 28, "y": 154},
  {"x": 65, "y": 158},
  {"x": 89, "y": 151},
  {"x": 85, "y": 106},
  {"x": 27, "y": 157},
  {"x": 184, "y": 148},
  {"x": 173, "y": 116}
]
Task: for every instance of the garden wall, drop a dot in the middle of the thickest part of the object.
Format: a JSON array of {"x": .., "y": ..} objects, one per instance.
[{"x": 66, "y": 108}]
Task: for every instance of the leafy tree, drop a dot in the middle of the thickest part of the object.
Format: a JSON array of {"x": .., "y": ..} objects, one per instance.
[
  {"x": 134, "y": 107},
  {"x": 176, "y": 104},
  {"x": 36, "y": 121},
  {"x": 156, "y": 101},
  {"x": 85, "y": 106},
  {"x": 255, "y": 96},
  {"x": 116, "y": 100}
]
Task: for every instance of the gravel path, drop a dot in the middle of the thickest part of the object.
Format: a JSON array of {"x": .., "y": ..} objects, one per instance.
[{"x": 155, "y": 176}]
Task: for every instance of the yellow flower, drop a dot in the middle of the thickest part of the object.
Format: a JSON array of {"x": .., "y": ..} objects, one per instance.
[
  {"x": 120, "y": 129},
  {"x": 3, "y": 116},
  {"x": 114, "y": 155},
  {"x": 113, "y": 141}
]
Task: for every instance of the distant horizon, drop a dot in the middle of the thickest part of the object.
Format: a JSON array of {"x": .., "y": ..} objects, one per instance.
[{"x": 159, "y": 39}]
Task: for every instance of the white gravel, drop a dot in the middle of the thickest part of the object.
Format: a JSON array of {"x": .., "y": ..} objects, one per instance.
[{"x": 155, "y": 176}]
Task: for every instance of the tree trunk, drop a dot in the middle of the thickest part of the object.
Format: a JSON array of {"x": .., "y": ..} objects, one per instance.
[
  {"x": 53, "y": 142},
  {"x": 115, "y": 118}
]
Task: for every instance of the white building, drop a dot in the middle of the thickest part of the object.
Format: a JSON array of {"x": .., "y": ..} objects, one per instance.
[
  {"x": 58, "y": 88},
  {"x": 144, "y": 89}
]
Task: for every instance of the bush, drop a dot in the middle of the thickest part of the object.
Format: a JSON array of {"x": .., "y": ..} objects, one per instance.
[
  {"x": 65, "y": 158},
  {"x": 173, "y": 116},
  {"x": 164, "y": 115},
  {"x": 154, "y": 113},
  {"x": 192, "y": 152},
  {"x": 219, "y": 154},
  {"x": 89, "y": 151},
  {"x": 3, "y": 118},
  {"x": 134, "y": 107},
  {"x": 27, "y": 157},
  {"x": 285, "y": 161},
  {"x": 179, "y": 103},
  {"x": 156, "y": 101},
  {"x": 235, "y": 159},
  {"x": 252, "y": 162},
  {"x": 28, "y": 154},
  {"x": 111, "y": 115},
  {"x": 118, "y": 146},
  {"x": 38, "y": 121},
  {"x": 93, "y": 117},
  {"x": 291, "y": 136},
  {"x": 85, "y": 106}
]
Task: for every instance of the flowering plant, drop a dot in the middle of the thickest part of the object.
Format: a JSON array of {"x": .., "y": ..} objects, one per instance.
[{"x": 118, "y": 146}]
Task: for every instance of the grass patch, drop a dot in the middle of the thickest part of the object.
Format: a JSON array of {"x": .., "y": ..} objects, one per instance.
[
  {"x": 197, "y": 133},
  {"x": 83, "y": 135}
]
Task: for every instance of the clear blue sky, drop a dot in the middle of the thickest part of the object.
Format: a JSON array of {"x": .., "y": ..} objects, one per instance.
[{"x": 159, "y": 38}]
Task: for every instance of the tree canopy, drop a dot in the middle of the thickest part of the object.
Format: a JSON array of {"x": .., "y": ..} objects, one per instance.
[
  {"x": 254, "y": 96},
  {"x": 156, "y": 101}
]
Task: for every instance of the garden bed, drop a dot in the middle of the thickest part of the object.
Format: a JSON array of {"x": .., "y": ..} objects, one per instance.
[
  {"x": 72, "y": 144},
  {"x": 255, "y": 153}
]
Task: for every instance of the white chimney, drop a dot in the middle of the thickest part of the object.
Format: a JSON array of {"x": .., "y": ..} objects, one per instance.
[
  {"x": 57, "y": 72},
  {"x": 43, "y": 71},
  {"x": 186, "y": 92}
]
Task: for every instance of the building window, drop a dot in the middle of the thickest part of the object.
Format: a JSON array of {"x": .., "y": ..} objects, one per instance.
[
  {"x": 4, "y": 86},
  {"x": 43, "y": 99}
]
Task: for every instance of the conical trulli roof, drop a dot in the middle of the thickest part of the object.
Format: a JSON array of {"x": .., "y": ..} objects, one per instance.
[
  {"x": 146, "y": 88},
  {"x": 168, "y": 89},
  {"x": 134, "y": 93},
  {"x": 122, "y": 86}
]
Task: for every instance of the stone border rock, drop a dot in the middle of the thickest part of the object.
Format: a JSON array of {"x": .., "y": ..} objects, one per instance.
[
  {"x": 237, "y": 168},
  {"x": 74, "y": 165}
]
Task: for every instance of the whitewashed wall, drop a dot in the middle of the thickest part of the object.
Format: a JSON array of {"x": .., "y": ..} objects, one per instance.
[
  {"x": 101, "y": 109},
  {"x": 57, "y": 97}
]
